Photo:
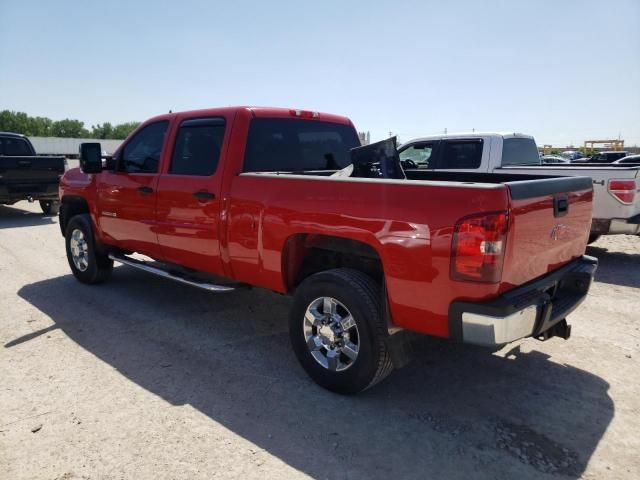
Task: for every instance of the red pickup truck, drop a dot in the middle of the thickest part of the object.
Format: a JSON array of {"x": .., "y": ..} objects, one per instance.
[{"x": 289, "y": 201}]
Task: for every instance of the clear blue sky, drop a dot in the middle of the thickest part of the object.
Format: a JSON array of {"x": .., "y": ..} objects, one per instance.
[{"x": 562, "y": 70}]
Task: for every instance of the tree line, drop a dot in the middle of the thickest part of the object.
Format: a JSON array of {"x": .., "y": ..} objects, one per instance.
[{"x": 20, "y": 122}]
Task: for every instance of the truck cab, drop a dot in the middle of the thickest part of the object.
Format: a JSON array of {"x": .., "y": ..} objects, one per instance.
[
  {"x": 608, "y": 157},
  {"x": 470, "y": 152}
]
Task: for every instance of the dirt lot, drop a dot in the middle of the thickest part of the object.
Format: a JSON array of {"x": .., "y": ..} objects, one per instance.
[{"x": 142, "y": 378}]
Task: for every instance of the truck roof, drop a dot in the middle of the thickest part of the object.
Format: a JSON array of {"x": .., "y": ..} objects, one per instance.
[
  {"x": 470, "y": 135},
  {"x": 270, "y": 112},
  {"x": 12, "y": 134}
]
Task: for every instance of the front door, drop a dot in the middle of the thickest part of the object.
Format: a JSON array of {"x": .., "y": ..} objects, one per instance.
[
  {"x": 188, "y": 208},
  {"x": 127, "y": 195}
]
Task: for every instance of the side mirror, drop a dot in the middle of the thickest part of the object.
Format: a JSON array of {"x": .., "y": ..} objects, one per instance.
[{"x": 90, "y": 157}]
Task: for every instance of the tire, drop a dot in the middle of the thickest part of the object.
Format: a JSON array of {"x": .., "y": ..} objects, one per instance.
[
  {"x": 93, "y": 267},
  {"x": 50, "y": 207},
  {"x": 356, "y": 295},
  {"x": 593, "y": 238}
]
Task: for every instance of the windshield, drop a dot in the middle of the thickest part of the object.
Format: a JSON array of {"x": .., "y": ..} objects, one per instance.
[{"x": 519, "y": 151}]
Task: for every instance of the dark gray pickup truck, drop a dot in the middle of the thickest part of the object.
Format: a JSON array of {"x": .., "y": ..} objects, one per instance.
[{"x": 27, "y": 176}]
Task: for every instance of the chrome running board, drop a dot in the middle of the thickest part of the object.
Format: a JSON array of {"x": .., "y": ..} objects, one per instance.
[{"x": 146, "y": 267}]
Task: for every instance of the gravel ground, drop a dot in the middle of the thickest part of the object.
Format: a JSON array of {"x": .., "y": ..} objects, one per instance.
[{"x": 142, "y": 378}]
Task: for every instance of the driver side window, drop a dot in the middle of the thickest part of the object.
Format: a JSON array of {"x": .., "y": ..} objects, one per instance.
[
  {"x": 142, "y": 153},
  {"x": 420, "y": 154}
]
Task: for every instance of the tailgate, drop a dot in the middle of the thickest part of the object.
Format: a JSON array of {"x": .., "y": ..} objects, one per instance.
[
  {"x": 549, "y": 222},
  {"x": 16, "y": 171}
]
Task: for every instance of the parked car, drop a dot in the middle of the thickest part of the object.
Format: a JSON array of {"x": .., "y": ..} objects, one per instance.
[
  {"x": 27, "y": 176},
  {"x": 629, "y": 159},
  {"x": 287, "y": 200},
  {"x": 572, "y": 155},
  {"x": 607, "y": 157},
  {"x": 554, "y": 159},
  {"x": 616, "y": 207}
]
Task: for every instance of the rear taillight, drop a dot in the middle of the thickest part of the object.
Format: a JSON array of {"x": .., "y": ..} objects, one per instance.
[
  {"x": 623, "y": 190},
  {"x": 477, "y": 250}
]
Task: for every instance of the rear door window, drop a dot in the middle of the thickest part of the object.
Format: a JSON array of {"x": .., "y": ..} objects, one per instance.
[
  {"x": 520, "y": 151},
  {"x": 289, "y": 145},
  {"x": 461, "y": 154},
  {"x": 198, "y": 146}
]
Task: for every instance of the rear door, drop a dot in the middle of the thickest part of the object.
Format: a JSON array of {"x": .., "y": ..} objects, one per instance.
[
  {"x": 127, "y": 195},
  {"x": 188, "y": 208}
]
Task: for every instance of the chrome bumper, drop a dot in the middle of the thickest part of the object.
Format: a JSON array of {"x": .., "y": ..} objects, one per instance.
[
  {"x": 622, "y": 225},
  {"x": 532, "y": 310},
  {"x": 489, "y": 331}
]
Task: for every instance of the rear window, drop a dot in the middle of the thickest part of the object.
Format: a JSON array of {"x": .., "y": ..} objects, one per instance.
[
  {"x": 282, "y": 144},
  {"x": 14, "y": 147},
  {"x": 519, "y": 151}
]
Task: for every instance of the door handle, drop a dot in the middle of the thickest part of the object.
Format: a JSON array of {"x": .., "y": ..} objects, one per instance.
[
  {"x": 145, "y": 189},
  {"x": 204, "y": 196},
  {"x": 560, "y": 206}
]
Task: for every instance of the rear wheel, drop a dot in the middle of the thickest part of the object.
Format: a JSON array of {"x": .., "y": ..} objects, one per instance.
[
  {"x": 86, "y": 263},
  {"x": 337, "y": 330},
  {"x": 49, "y": 207}
]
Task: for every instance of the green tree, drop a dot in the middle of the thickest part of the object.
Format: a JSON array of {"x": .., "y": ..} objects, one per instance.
[
  {"x": 20, "y": 122},
  {"x": 122, "y": 131},
  {"x": 13, "y": 121},
  {"x": 39, "y": 126},
  {"x": 102, "y": 131},
  {"x": 68, "y": 128}
]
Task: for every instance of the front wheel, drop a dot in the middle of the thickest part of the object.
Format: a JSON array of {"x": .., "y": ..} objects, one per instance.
[
  {"x": 338, "y": 332},
  {"x": 49, "y": 207},
  {"x": 86, "y": 263}
]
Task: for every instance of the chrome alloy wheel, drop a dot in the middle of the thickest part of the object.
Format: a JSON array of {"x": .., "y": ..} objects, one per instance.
[
  {"x": 331, "y": 334},
  {"x": 79, "y": 250}
]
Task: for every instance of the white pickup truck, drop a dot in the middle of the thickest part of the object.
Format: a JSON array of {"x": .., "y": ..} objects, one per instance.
[{"x": 616, "y": 206}]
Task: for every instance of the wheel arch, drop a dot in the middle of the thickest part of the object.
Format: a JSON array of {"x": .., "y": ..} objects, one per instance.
[
  {"x": 71, "y": 205},
  {"x": 305, "y": 254}
]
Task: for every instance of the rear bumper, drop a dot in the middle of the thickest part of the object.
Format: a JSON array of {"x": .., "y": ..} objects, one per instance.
[
  {"x": 38, "y": 191},
  {"x": 535, "y": 309},
  {"x": 630, "y": 226}
]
